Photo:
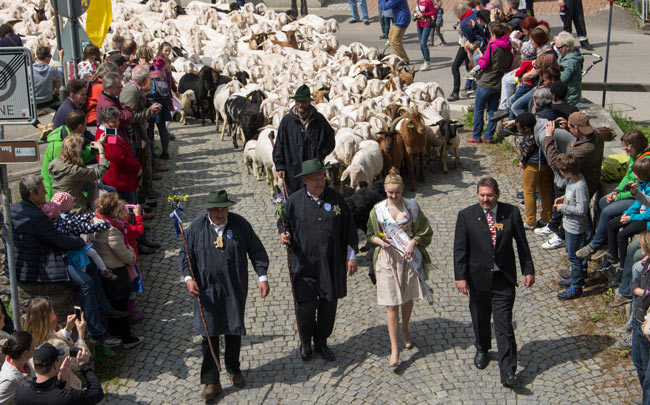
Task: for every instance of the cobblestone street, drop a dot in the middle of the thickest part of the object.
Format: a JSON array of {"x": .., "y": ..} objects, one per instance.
[{"x": 439, "y": 369}]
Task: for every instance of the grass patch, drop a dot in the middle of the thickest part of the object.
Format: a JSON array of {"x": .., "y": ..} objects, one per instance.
[
  {"x": 626, "y": 123},
  {"x": 109, "y": 369},
  {"x": 468, "y": 116}
]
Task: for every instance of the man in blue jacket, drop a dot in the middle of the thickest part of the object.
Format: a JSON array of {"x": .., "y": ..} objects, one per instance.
[
  {"x": 399, "y": 11},
  {"x": 39, "y": 251}
]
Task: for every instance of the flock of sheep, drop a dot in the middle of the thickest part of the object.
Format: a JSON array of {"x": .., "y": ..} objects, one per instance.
[{"x": 380, "y": 115}]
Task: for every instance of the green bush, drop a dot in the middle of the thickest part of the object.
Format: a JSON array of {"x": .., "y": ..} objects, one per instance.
[
  {"x": 625, "y": 123},
  {"x": 468, "y": 117}
]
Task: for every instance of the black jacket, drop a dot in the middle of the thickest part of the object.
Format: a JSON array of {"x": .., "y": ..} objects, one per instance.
[
  {"x": 39, "y": 247},
  {"x": 474, "y": 255},
  {"x": 53, "y": 391},
  {"x": 641, "y": 304},
  {"x": 514, "y": 20},
  {"x": 294, "y": 145}
]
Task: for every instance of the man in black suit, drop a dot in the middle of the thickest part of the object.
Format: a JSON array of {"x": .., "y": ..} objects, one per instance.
[{"x": 484, "y": 267}]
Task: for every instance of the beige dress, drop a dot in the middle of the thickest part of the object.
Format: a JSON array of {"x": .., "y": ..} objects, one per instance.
[{"x": 397, "y": 284}]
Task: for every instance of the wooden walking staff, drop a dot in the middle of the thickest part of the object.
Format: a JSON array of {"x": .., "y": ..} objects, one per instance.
[
  {"x": 284, "y": 229},
  {"x": 198, "y": 301}
]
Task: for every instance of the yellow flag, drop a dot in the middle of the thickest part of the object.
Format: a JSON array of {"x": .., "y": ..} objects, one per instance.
[{"x": 98, "y": 19}]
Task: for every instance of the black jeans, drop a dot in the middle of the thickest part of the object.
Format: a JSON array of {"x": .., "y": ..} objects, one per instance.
[
  {"x": 618, "y": 237},
  {"x": 209, "y": 373},
  {"x": 317, "y": 320},
  {"x": 459, "y": 60},
  {"x": 573, "y": 13},
  {"x": 556, "y": 219},
  {"x": 496, "y": 304}
]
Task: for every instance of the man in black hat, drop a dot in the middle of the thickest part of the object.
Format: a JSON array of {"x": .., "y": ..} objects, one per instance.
[
  {"x": 322, "y": 241},
  {"x": 51, "y": 375},
  {"x": 218, "y": 244},
  {"x": 303, "y": 134}
]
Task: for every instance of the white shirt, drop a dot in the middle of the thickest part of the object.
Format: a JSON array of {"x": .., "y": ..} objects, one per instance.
[{"x": 219, "y": 230}]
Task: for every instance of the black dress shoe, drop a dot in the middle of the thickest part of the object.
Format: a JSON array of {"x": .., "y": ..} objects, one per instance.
[
  {"x": 510, "y": 380},
  {"x": 453, "y": 97},
  {"x": 481, "y": 359},
  {"x": 505, "y": 132},
  {"x": 145, "y": 250},
  {"x": 325, "y": 352},
  {"x": 144, "y": 241},
  {"x": 306, "y": 353}
]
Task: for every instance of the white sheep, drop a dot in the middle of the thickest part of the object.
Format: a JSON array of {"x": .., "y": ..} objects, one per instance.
[
  {"x": 366, "y": 164},
  {"x": 250, "y": 158}
]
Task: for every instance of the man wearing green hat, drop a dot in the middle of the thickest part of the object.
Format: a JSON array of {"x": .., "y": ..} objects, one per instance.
[
  {"x": 303, "y": 134},
  {"x": 322, "y": 240},
  {"x": 218, "y": 244}
]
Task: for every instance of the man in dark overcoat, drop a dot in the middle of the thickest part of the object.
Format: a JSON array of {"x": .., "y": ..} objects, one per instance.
[
  {"x": 322, "y": 241},
  {"x": 484, "y": 267},
  {"x": 219, "y": 244},
  {"x": 303, "y": 134}
]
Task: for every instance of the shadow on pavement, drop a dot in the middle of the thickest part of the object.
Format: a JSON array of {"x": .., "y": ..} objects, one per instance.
[{"x": 542, "y": 355}]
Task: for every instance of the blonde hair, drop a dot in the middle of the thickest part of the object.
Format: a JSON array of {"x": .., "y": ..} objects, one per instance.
[
  {"x": 38, "y": 319},
  {"x": 393, "y": 177},
  {"x": 645, "y": 241},
  {"x": 71, "y": 150}
]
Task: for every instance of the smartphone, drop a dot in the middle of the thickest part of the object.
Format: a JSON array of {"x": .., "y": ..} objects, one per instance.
[
  {"x": 111, "y": 135},
  {"x": 130, "y": 207},
  {"x": 73, "y": 351},
  {"x": 77, "y": 312}
]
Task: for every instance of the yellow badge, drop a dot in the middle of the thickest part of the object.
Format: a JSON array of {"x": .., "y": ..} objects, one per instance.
[
  {"x": 218, "y": 243},
  {"x": 498, "y": 226},
  {"x": 336, "y": 209}
]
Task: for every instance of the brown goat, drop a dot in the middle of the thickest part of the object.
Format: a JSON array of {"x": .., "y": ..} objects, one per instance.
[
  {"x": 320, "y": 96},
  {"x": 412, "y": 130},
  {"x": 392, "y": 150},
  {"x": 291, "y": 42},
  {"x": 395, "y": 110}
]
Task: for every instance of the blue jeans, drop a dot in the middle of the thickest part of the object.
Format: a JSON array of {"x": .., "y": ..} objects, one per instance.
[
  {"x": 364, "y": 9},
  {"x": 485, "y": 98},
  {"x": 520, "y": 91},
  {"x": 634, "y": 254},
  {"x": 241, "y": 3},
  {"x": 521, "y": 105},
  {"x": 87, "y": 296},
  {"x": 640, "y": 357},
  {"x": 575, "y": 241},
  {"x": 607, "y": 212},
  {"x": 423, "y": 35}
]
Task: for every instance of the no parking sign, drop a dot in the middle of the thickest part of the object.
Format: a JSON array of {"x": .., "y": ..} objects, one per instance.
[{"x": 17, "y": 103}]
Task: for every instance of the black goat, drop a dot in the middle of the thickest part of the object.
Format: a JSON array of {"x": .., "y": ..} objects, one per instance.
[
  {"x": 244, "y": 113},
  {"x": 204, "y": 85}
]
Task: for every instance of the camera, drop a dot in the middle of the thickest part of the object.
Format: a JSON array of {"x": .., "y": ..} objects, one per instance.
[
  {"x": 74, "y": 351},
  {"x": 130, "y": 207},
  {"x": 626, "y": 188},
  {"x": 415, "y": 16},
  {"x": 77, "y": 312}
]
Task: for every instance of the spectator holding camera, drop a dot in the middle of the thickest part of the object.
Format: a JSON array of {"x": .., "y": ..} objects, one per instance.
[
  {"x": 48, "y": 388},
  {"x": 16, "y": 370},
  {"x": 41, "y": 322}
]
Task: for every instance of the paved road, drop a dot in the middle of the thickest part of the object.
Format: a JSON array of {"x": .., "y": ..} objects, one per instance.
[{"x": 165, "y": 369}]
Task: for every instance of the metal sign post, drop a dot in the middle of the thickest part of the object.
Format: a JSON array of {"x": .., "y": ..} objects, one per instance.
[
  {"x": 609, "y": 36},
  {"x": 17, "y": 106},
  {"x": 73, "y": 37}
]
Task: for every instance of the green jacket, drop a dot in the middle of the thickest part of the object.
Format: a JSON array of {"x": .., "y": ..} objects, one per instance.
[
  {"x": 54, "y": 141},
  {"x": 629, "y": 176},
  {"x": 422, "y": 233},
  {"x": 70, "y": 178},
  {"x": 572, "y": 75}
]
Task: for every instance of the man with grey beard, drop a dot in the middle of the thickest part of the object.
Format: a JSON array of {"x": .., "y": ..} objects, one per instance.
[{"x": 303, "y": 134}]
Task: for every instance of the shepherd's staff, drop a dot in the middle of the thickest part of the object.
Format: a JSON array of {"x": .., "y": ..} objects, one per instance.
[
  {"x": 280, "y": 213},
  {"x": 179, "y": 227}
]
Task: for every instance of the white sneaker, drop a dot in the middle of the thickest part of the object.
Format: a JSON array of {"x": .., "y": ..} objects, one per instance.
[
  {"x": 553, "y": 243},
  {"x": 545, "y": 231},
  {"x": 425, "y": 66}
]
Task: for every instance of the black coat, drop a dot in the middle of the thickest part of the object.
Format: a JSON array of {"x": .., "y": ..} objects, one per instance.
[
  {"x": 53, "y": 391},
  {"x": 39, "y": 247},
  {"x": 320, "y": 236},
  {"x": 294, "y": 145},
  {"x": 474, "y": 255},
  {"x": 222, "y": 273}
]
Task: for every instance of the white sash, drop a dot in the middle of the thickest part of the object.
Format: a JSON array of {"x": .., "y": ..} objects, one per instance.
[{"x": 399, "y": 239}]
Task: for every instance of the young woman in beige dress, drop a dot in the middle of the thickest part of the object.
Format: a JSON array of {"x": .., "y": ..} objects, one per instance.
[{"x": 402, "y": 232}]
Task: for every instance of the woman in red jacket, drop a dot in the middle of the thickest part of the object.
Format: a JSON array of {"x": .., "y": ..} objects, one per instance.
[
  {"x": 95, "y": 90},
  {"x": 124, "y": 171},
  {"x": 424, "y": 13}
]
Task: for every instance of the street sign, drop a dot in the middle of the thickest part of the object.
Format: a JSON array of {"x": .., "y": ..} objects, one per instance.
[
  {"x": 18, "y": 152},
  {"x": 67, "y": 43},
  {"x": 17, "y": 102},
  {"x": 71, "y": 8}
]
